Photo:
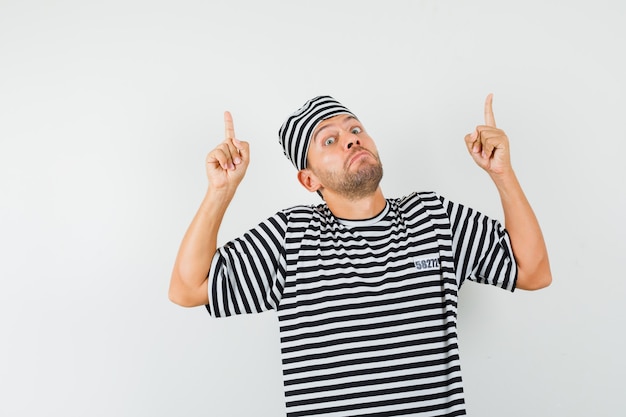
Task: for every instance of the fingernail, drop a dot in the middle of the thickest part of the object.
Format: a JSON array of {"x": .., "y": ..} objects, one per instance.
[{"x": 237, "y": 160}]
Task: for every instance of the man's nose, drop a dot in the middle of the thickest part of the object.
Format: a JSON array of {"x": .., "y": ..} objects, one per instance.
[{"x": 352, "y": 142}]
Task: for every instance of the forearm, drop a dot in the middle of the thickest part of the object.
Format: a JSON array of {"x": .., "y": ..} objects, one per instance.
[
  {"x": 188, "y": 285},
  {"x": 529, "y": 247}
]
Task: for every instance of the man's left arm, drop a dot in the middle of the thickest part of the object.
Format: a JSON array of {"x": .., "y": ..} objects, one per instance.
[{"x": 489, "y": 147}]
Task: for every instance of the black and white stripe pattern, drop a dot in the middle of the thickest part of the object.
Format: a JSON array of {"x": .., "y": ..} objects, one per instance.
[
  {"x": 295, "y": 133},
  {"x": 367, "y": 309}
]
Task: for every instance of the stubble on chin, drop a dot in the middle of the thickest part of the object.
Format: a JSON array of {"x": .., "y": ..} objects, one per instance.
[
  {"x": 363, "y": 182},
  {"x": 357, "y": 184}
]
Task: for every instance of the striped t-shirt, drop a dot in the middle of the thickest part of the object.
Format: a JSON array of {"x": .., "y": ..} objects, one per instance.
[{"x": 367, "y": 308}]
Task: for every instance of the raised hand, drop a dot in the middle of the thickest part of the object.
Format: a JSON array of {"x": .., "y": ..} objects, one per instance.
[
  {"x": 226, "y": 164},
  {"x": 225, "y": 168},
  {"x": 488, "y": 145}
]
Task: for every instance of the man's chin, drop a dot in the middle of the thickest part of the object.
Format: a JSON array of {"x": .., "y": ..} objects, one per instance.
[{"x": 366, "y": 179}]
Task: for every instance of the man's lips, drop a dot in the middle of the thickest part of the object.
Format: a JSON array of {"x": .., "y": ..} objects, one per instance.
[{"x": 356, "y": 155}]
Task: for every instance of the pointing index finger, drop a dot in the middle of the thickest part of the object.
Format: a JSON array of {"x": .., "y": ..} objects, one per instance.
[
  {"x": 490, "y": 120},
  {"x": 229, "y": 127}
]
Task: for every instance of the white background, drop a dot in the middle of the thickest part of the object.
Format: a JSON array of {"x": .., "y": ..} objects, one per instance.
[{"x": 107, "y": 110}]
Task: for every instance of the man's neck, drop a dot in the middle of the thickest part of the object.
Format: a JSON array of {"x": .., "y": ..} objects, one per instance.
[{"x": 359, "y": 209}]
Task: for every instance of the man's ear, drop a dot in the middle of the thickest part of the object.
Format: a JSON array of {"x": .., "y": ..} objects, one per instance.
[{"x": 309, "y": 180}]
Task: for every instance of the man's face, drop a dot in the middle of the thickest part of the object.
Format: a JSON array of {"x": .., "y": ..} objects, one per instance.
[{"x": 344, "y": 157}]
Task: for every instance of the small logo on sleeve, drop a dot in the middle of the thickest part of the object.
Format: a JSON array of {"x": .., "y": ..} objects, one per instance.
[{"x": 427, "y": 263}]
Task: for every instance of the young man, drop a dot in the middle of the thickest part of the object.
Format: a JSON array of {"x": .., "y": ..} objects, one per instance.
[{"x": 365, "y": 287}]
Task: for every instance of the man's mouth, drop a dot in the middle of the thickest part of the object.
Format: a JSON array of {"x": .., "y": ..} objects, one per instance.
[{"x": 357, "y": 155}]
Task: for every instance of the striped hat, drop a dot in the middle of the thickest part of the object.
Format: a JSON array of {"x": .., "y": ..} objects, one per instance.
[{"x": 296, "y": 132}]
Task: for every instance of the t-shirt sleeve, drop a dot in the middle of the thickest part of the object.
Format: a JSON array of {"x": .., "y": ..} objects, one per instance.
[
  {"x": 481, "y": 246},
  {"x": 245, "y": 275}
]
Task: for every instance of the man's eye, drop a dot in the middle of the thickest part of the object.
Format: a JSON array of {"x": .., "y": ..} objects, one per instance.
[
  {"x": 329, "y": 141},
  {"x": 356, "y": 130}
]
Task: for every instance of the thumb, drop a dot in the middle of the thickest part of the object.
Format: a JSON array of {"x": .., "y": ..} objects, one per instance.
[{"x": 243, "y": 148}]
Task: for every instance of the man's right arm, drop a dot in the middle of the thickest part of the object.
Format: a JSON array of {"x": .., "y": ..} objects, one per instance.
[{"x": 225, "y": 166}]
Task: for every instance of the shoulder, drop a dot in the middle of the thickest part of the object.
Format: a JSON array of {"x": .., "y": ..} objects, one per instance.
[
  {"x": 304, "y": 209},
  {"x": 426, "y": 199},
  {"x": 422, "y": 206},
  {"x": 305, "y": 213}
]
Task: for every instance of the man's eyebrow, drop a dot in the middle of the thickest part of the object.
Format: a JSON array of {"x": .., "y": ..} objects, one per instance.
[{"x": 345, "y": 119}]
